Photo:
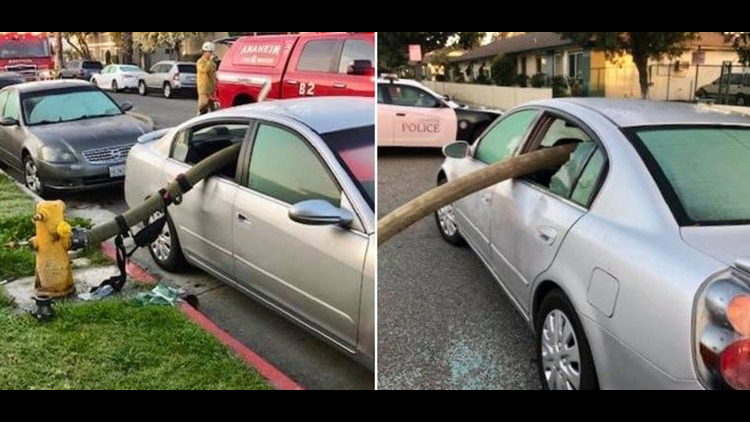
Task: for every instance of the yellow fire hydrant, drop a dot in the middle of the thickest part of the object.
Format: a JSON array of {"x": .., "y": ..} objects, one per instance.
[{"x": 53, "y": 240}]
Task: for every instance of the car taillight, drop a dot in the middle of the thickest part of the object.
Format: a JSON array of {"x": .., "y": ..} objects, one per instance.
[
  {"x": 176, "y": 77},
  {"x": 722, "y": 324}
]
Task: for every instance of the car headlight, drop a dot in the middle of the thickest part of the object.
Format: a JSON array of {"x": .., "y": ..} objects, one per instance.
[
  {"x": 722, "y": 324},
  {"x": 56, "y": 155}
]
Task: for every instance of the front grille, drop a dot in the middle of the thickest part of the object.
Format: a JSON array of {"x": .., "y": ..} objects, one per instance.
[
  {"x": 23, "y": 69},
  {"x": 111, "y": 155}
]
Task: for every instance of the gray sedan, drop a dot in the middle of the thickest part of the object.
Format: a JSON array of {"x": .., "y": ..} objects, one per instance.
[
  {"x": 65, "y": 135},
  {"x": 291, "y": 224},
  {"x": 630, "y": 262}
]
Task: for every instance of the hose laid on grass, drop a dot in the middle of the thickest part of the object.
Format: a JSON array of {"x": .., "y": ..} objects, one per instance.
[{"x": 431, "y": 201}]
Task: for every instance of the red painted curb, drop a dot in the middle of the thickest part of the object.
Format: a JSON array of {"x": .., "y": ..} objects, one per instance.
[
  {"x": 133, "y": 270},
  {"x": 277, "y": 378}
]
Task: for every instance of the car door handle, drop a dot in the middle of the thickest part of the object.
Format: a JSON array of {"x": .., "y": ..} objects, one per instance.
[
  {"x": 400, "y": 114},
  {"x": 292, "y": 82},
  {"x": 243, "y": 219},
  {"x": 339, "y": 85},
  {"x": 547, "y": 234}
]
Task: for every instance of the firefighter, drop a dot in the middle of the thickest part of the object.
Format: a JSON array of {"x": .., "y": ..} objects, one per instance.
[{"x": 207, "y": 79}]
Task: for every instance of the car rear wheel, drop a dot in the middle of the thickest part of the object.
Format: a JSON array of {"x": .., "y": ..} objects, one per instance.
[
  {"x": 563, "y": 353},
  {"x": 33, "y": 180},
  {"x": 167, "y": 90},
  {"x": 115, "y": 88},
  {"x": 445, "y": 218},
  {"x": 166, "y": 250},
  {"x": 95, "y": 82},
  {"x": 142, "y": 89}
]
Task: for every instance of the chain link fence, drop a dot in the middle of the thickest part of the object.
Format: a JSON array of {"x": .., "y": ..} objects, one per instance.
[{"x": 675, "y": 82}]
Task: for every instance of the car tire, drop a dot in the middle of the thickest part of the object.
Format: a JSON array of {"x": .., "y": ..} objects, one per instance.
[
  {"x": 560, "y": 336},
  {"x": 115, "y": 88},
  {"x": 445, "y": 218},
  {"x": 167, "y": 91},
  {"x": 94, "y": 82},
  {"x": 31, "y": 177},
  {"x": 742, "y": 100},
  {"x": 166, "y": 251},
  {"x": 701, "y": 94},
  {"x": 142, "y": 88}
]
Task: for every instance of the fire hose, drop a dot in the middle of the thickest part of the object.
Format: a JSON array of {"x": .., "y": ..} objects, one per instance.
[
  {"x": 55, "y": 238},
  {"x": 431, "y": 201}
]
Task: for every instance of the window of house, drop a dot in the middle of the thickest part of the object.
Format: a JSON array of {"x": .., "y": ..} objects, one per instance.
[
  {"x": 504, "y": 138},
  {"x": 284, "y": 167},
  {"x": 575, "y": 65},
  {"x": 558, "y": 71},
  {"x": 318, "y": 56},
  {"x": 541, "y": 64}
]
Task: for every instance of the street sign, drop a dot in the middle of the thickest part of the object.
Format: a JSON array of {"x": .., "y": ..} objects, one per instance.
[
  {"x": 699, "y": 58},
  {"x": 415, "y": 53}
]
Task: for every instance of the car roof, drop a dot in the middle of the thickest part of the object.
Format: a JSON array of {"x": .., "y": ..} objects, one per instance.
[
  {"x": 323, "y": 115},
  {"x": 634, "y": 113},
  {"x": 409, "y": 82},
  {"x": 48, "y": 85}
]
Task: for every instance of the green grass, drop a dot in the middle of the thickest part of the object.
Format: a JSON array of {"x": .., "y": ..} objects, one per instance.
[
  {"x": 16, "y": 210},
  {"x": 5, "y": 301},
  {"x": 13, "y": 201},
  {"x": 116, "y": 345}
]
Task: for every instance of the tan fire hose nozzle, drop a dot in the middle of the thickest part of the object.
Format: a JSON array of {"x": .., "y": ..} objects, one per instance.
[{"x": 429, "y": 202}]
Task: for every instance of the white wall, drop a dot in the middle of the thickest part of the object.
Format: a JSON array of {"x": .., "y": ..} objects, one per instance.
[{"x": 496, "y": 97}]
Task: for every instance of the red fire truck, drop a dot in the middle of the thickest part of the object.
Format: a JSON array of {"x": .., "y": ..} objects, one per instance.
[
  {"x": 303, "y": 65},
  {"x": 26, "y": 53}
]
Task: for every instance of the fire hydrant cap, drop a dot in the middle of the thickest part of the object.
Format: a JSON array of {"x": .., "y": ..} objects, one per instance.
[{"x": 64, "y": 230}]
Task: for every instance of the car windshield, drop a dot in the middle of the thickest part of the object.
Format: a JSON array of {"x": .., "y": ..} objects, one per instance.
[
  {"x": 130, "y": 69},
  {"x": 66, "y": 105},
  {"x": 24, "y": 48},
  {"x": 355, "y": 150},
  {"x": 187, "y": 68},
  {"x": 703, "y": 172}
]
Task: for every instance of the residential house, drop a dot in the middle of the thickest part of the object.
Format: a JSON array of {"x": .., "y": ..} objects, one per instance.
[{"x": 549, "y": 54}]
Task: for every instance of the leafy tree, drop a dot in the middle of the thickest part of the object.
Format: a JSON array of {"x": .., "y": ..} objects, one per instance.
[
  {"x": 741, "y": 42},
  {"x": 150, "y": 41},
  {"x": 393, "y": 47},
  {"x": 504, "y": 71},
  {"x": 641, "y": 45},
  {"x": 59, "y": 60},
  {"x": 79, "y": 41},
  {"x": 125, "y": 43}
]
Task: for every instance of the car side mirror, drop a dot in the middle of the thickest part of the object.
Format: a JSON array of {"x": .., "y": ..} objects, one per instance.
[
  {"x": 447, "y": 98},
  {"x": 361, "y": 68},
  {"x": 126, "y": 106},
  {"x": 320, "y": 213},
  {"x": 458, "y": 150},
  {"x": 8, "y": 122}
]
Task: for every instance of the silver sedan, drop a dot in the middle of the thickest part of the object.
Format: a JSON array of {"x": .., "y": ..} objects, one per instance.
[
  {"x": 291, "y": 224},
  {"x": 630, "y": 262}
]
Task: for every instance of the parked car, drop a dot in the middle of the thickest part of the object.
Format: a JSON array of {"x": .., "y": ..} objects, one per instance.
[
  {"x": 738, "y": 89},
  {"x": 412, "y": 115},
  {"x": 10, "y": 78},
  {"x": 81, "y": 69},
  {"x": 304, "y": 65},
  {"x": 65, "y": 135},
  {"x": 169, "y": 78},
  {"x": 292, "y": 224},
  {"x": 119, "y": 77},
  {"x": 629, "y": 261}
]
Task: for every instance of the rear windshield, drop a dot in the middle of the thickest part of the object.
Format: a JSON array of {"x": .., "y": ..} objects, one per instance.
[
  {"x": 355, "y": 150},
  {"x": 703, "y": 172},
  {"x": 187, "y": 68},
  {"x": 92, "y": 65}
]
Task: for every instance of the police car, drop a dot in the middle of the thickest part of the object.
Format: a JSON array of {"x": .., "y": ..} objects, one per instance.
[{"x": 412, "y": 115}]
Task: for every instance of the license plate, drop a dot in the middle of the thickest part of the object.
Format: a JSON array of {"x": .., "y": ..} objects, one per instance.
[{"x": 117, "y": 171}]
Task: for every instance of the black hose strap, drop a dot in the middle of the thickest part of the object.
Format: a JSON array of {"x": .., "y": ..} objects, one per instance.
[
  {"x": 185, "y": 185},
  {"x": 123, "y": 225}
]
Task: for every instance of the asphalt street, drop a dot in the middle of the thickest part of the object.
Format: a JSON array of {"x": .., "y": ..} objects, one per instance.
[
  {"x": 443, "y": 321},
  {"x": 297, "y": 353}
]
